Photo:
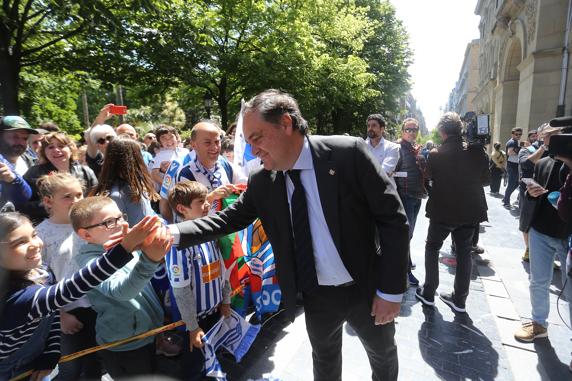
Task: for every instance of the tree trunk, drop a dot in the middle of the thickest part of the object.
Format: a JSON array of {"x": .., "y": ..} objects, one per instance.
[
  {"x": 341, "y": 121},
  {"x": 9, "y": 83}
]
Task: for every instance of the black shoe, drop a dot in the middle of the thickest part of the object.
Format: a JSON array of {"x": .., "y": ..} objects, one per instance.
[
  {"x": 426, "y": 300},
  {"x": 449, "y": 299},
  {"x": 477, "y": 250},
  {"x": 412, "y": 280}
]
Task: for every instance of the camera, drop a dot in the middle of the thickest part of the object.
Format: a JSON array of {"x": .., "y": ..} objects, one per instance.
[
  {"x": 560, "y": 145},
  {"x": 477, "y": 129}
]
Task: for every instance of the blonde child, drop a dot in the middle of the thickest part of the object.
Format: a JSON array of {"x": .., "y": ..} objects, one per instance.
[
  {"x": 126, "y": 303},
  {"x": 58, "y": 192}
]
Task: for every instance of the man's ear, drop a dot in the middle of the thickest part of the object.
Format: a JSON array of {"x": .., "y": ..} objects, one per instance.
[
  {"x": 286, "y": 123},
  {"x": 84, "y": 234}
]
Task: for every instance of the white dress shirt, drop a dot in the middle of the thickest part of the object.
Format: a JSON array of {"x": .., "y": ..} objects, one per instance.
[{"x": 386, "y": 152}]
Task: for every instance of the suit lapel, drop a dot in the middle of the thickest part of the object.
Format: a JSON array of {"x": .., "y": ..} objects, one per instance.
[{"x": 327, "y": 179}]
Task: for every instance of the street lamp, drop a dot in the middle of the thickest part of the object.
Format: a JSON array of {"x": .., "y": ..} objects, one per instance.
[{"x": 208, "y": 101}]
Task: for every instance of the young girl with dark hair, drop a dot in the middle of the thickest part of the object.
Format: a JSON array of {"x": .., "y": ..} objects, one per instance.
[
  {"x": 30, "y": 320},
  {"x": 124, "y": 178}
]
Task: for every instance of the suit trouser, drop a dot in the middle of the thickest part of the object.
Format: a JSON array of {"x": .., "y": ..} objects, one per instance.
[
  {"x": 326, "y": 310},
  {"x": 462, "y": 237}
]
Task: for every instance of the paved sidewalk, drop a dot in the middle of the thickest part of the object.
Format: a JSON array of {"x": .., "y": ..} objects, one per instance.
[{"x": 506, "y": 284}]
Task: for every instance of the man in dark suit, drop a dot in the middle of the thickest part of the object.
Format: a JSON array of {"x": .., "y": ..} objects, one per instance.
[{"x": 337, "y": 227}]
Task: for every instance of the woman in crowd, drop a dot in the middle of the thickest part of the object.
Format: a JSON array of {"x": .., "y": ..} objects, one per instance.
[
  {"x": 497, "y": 167},
  {"x": 124, "y": 178},
  {"x": 58, "y": 153}
]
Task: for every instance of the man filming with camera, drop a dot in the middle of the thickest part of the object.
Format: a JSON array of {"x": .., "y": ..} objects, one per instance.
[{"x": 459, "y": 173}]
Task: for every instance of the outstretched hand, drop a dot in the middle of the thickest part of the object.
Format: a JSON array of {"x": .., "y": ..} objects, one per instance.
[
  {"x": 155, "y": 247},
  {"x": 196, "y": 339},
  {"x": 131, "y": 239}
]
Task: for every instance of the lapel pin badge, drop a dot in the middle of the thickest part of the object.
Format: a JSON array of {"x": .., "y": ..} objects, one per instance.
[{"x": 332, "y": 172}]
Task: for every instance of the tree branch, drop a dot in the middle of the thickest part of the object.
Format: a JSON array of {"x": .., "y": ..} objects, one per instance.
[
  {"x": 54, "y": 41},
  {"x": 35, "y": 25}
]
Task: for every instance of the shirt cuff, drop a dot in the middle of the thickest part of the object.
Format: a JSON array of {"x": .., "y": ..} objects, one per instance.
[
  {"x": 394, "y": 298},
  {"x": 175, "y": 233}
]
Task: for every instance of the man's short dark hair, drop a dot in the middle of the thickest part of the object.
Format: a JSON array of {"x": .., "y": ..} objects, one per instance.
[
  {"x": 378, "y": 118},
  {"x": 272, "y": 104},
  {"x": 516, "y": 129},
  {"x": 450, "y": 124}
]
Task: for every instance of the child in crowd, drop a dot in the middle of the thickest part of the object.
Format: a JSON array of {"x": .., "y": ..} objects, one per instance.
[
  {"x": 124, "y": 177},
  {"x": 58, "y": 192},
  {"x": 169, "y": 140},
  {"x": 126, "y": 303},
  {"x": 197, "y": 276},
  {"x": 30, "y": 318}
]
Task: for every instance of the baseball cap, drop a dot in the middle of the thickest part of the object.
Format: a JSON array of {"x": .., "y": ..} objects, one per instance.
[{"x": 13, "y": 122}]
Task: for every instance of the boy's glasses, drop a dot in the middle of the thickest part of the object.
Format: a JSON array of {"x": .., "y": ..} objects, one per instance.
[{"x": 110, "y": 223}]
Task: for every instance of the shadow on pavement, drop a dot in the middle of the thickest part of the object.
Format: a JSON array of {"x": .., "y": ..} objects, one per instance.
[
  {"x": 456, "y": 350},
  {"x": 549, "y": 366}
]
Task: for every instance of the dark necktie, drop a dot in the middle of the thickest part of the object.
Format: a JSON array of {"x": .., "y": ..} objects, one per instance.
[{"x": 306, "y": 278}]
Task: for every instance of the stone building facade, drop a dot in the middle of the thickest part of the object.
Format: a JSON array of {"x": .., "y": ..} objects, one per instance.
[
  {"x": 462, "y": 96},
  {"x": 520, "y": 63}
]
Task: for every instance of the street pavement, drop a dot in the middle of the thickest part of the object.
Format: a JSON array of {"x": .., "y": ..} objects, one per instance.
[{"x": 436, "y": 344}]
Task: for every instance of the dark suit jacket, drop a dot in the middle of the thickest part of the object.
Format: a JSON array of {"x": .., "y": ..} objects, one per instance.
[
  {"x": 459, "y": 174},
  {"x": 361, "y": 207}
]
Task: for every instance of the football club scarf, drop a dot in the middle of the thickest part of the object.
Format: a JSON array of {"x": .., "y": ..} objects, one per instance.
[{"x": 235, "y": 335}]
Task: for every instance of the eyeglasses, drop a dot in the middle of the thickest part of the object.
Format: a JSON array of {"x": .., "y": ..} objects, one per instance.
[
  {"x": 411, "y": 130},
  {"x": 517, "y": 134},
  {"x": 106, "y": 139},
  {"x": 110, "y": 223}
]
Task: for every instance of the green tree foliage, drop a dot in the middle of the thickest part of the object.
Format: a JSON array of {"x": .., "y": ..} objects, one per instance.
[{"x": 342, "y": 59}]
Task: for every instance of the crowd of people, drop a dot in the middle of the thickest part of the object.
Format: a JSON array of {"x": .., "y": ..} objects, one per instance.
[{"x": 89, "y": 233}]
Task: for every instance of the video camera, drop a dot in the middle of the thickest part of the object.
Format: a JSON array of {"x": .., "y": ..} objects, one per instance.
[
  {"x": 477, "y": 129},
  {"x": 561, "y": 145}
]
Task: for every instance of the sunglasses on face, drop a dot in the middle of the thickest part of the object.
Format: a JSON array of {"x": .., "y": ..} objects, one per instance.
[
  {"x": 106, "y": 139},
  {"x": 411, "y": 130},
  {"x": 110, "y": 223}
]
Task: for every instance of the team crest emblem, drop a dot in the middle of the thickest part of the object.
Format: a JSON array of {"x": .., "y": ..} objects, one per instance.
[{"x": 176, "y": 270}]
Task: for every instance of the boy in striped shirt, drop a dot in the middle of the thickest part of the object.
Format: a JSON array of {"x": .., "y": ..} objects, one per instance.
[{"x": 196, "y": 275}]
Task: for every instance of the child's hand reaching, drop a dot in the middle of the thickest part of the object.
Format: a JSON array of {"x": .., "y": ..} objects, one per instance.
[
  {"x": 156, "y": 246},
  {"x": 69, "y": 323},
  {"x": 131, "y": 239},
  {"x": 196, "y": 339}
]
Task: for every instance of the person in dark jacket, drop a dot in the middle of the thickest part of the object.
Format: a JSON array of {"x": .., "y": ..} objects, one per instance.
[
  {"x": 459, "y": 174},
  {"x": 57, "y": 154}
]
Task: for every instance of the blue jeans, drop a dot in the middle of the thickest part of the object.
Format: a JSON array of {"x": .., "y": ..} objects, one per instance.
[
  {"x": 21, "y": 361},
  {"x": 411, "y": 206},
  {"x": 543, "y": 250},
  {"x": 512, "y": 173}
]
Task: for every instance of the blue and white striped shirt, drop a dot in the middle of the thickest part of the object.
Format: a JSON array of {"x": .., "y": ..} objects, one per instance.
[{"x": 201, "y": 267}]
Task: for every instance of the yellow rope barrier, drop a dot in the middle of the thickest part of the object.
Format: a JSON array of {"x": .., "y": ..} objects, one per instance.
[{"x": 91, "y": 350}]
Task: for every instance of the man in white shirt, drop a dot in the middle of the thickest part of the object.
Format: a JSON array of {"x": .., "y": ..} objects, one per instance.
[{"x": 385, "y": 151}]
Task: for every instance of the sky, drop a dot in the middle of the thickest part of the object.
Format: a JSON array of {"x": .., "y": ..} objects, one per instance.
[{"x": 439, "y": 31}]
